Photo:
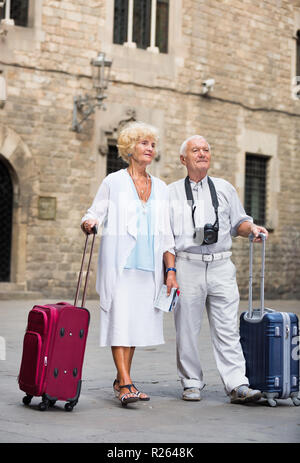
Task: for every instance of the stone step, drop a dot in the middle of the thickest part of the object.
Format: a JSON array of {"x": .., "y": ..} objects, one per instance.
[
  {"x": 12, "y": 287},
  {"x": 9, "y": 291},
  {"x": 19, "y": 295}
]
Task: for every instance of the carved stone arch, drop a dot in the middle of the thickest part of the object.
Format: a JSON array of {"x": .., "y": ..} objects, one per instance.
[
  {"x": 108, "y": 127},
  {"x": 17, "y": 157},
  {"x": 107, "y": 133},
  {"x": 110, "y": 132}
]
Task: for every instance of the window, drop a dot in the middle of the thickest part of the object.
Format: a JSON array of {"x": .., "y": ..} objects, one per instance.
[
  {"x": 142, "y": 23},
  {"x": 255, "y": 187},
  {"x": 120, "y": 21},
  {"x": 17, "y": 11},
  {"x": 296, "y": 68},
  {"x": 113, "y": 161},
  {"x": 298, "y": 56},
  {"x": 162, "y": 25}
]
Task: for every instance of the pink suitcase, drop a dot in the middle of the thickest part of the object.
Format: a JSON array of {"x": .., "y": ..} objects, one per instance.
[{"x": 54, "y": 347}]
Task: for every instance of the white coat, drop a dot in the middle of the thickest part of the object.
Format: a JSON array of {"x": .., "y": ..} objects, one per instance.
[{"x": 114, "y": 207}]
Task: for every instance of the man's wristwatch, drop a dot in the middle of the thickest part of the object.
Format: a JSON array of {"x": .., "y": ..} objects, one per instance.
[{"x": 173, "y": 269}]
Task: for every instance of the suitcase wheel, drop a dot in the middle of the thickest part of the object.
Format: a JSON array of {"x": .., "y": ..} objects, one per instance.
[
  {"x": 44, "y": 405},
  {"x": 27, "y": 399},
  {"x": 272, "y": 402},
  {"x": 69, "y": 406},
  {"x": 296, "y": 401}
]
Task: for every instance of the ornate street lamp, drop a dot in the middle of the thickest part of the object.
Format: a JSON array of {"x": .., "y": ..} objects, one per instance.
[{"x": 86, "y": 105}]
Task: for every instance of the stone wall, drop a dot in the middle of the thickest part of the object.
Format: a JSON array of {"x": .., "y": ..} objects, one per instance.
[{"x": 246, "y": 46}]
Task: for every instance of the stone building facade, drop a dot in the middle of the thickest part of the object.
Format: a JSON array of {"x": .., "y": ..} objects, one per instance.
[{"x": 249, "y": 48}]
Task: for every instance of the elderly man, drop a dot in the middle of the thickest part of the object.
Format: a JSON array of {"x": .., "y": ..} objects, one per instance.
[{"x": 205, "y": 214}]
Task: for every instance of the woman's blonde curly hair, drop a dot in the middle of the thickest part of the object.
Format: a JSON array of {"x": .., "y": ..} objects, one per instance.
[{"x": 131, "y": 134}]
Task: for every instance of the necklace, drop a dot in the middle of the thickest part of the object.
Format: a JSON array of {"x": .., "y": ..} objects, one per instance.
[{"x": 140, "y": 191}]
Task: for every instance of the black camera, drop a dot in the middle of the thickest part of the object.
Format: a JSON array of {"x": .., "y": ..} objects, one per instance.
[{"x": 210, "y": 234}]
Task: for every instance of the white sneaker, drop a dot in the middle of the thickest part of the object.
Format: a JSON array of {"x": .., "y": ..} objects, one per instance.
[
  {"x": 244, "y": 394},
  {"x": 191, "y": 393}
]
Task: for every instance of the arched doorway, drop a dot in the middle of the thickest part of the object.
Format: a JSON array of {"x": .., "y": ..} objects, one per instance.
[
  {"x": 6, "y": 214},
  {"x": 18, "y": 187}
]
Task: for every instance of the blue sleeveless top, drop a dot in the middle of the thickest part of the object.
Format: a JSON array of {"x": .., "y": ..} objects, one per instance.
[{"x": 142, "y": 255}]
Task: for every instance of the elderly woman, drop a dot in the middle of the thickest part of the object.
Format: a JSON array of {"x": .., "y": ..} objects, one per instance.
[{"x": 132, "y": 206}]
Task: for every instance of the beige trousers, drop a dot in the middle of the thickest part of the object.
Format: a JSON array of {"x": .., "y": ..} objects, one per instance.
[{"x": 210, "y": 284}]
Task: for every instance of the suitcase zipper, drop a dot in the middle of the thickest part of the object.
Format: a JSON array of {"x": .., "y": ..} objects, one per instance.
[{"x": 286, "y": 380}]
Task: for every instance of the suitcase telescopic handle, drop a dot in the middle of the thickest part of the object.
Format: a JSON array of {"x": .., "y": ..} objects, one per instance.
[
  {"x": 262, "y": 274},
  {"x": 94, "y": 232}
]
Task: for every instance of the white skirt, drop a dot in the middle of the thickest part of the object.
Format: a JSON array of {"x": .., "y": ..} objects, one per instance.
[{"x": 132, "y": 319}]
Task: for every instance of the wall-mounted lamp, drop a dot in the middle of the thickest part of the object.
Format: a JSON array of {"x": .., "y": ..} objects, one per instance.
[
  {"x": 86, "y": 105},
  {"x": 2, "y": 90}
]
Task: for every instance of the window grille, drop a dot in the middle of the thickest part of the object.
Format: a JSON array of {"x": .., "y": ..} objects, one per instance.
[
  {"x": 140, "y": 35},
  {"x": 18, "y": 12},
  {"x": 113, "y": 161},
  {"x": 6, "y": 205},
  {"x": 255, "y": 187}
]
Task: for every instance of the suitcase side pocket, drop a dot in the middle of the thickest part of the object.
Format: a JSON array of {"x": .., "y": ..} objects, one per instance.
[
  {"x": 29, "y": 372},
  {"x": 37, "y": 321}
]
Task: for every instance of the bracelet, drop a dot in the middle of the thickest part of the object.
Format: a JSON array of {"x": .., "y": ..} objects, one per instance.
[{"x": 171, "y": 268}]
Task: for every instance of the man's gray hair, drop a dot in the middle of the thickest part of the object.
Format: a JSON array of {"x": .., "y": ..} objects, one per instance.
[{"x": 182, "y": 150}]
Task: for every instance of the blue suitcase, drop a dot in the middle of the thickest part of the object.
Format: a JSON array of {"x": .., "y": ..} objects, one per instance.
[{"x": 270, "y": 342}]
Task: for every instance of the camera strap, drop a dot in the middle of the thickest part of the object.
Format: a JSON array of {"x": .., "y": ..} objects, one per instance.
[{"x": 190, "y": 198}]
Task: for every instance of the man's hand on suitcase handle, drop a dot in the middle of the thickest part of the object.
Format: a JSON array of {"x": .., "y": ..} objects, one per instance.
[
  {"x": 89, "y": 226},
  {"x": 258, "y": 233},
  {"x": 253, "y": 231}
]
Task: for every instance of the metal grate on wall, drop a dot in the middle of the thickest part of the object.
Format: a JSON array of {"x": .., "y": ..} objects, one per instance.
[
  {"x": 6, "y": 206},
  {"x": 255, "y": 187},
  {"x": 113, "y": 161}
]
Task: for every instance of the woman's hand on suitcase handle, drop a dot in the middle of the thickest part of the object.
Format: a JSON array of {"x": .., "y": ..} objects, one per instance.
[{"x": 89, "y": 226}]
